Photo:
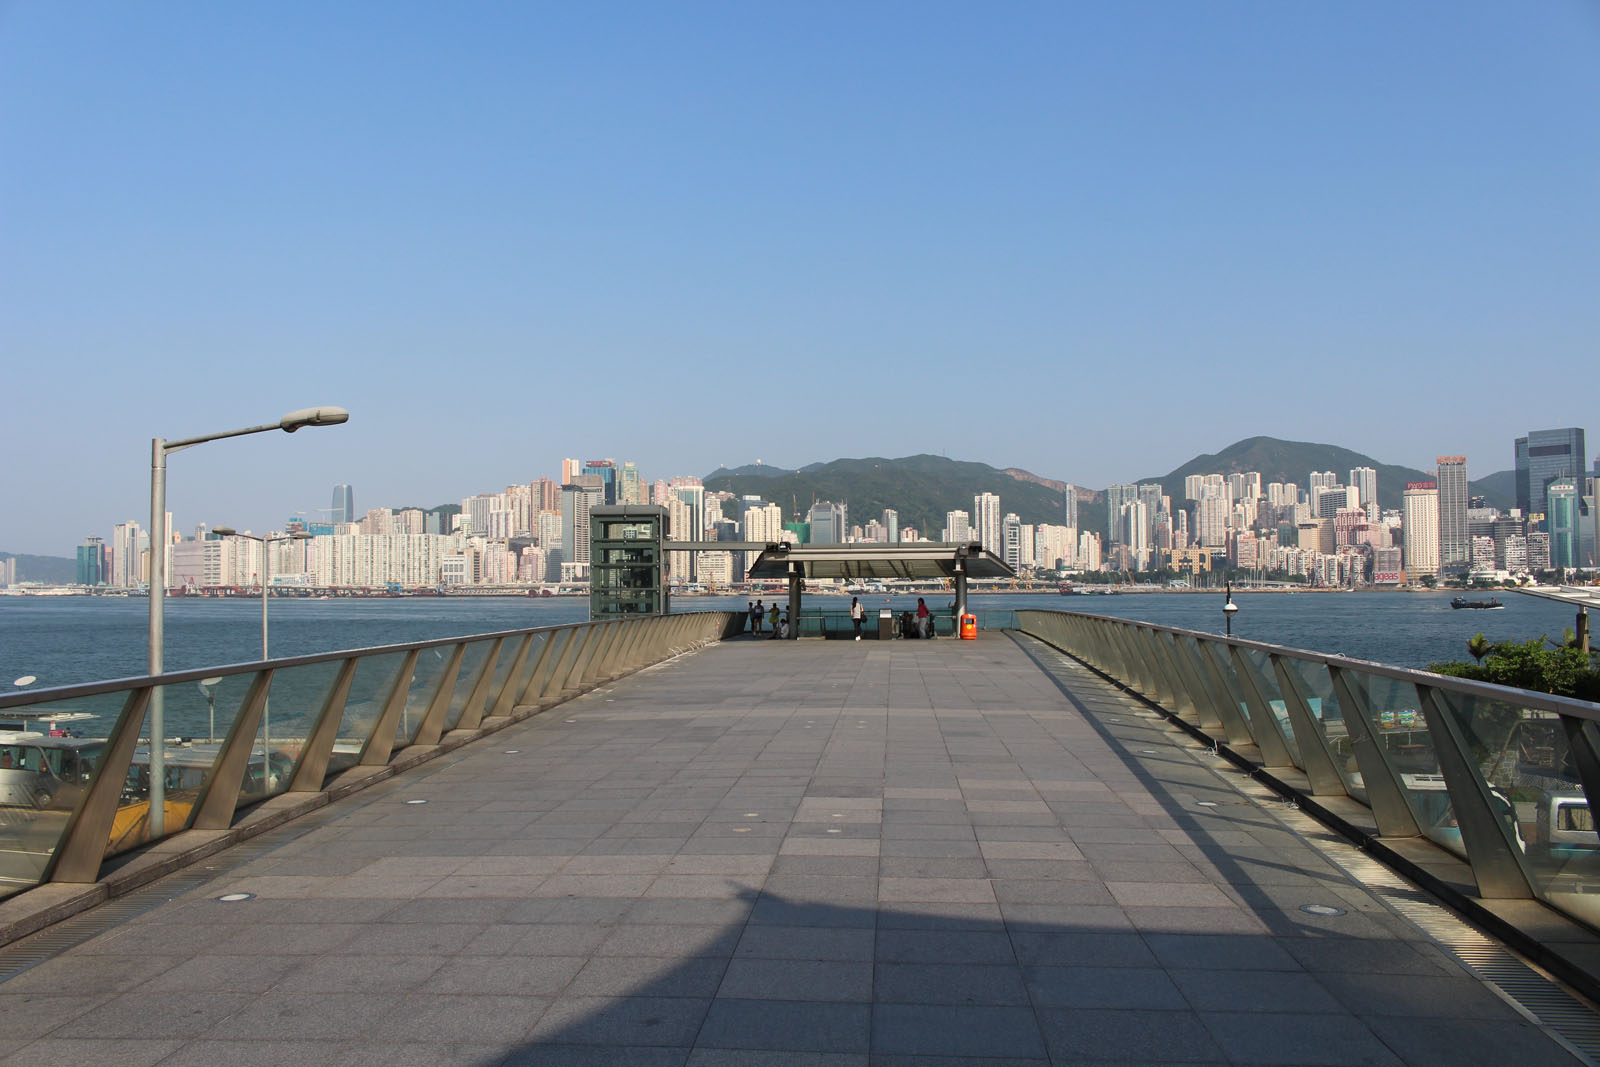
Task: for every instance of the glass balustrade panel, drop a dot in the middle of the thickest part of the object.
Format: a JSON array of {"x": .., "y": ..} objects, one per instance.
[
  {"x": 431, "y": 664},
  {"x": 1524, "y": 757},
  {"x": 370, "y": 687},
  {"x": 466, "y": 680},
  {"x": 520, "y": 682},
  {"x": 1400, "y": 728},
  {"x": 1219, "y": 655},
  {"x": 1260, "y": 667},
  {"x": 287, "y": 719},
  {"x": 195, "y": 719},
  {"x": 49, "y": 755},
  {"x": 1316, "y": 686}
]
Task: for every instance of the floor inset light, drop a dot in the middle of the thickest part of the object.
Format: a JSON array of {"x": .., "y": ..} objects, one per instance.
[
  {"x": 234, "y": 898},
  {"x": 1205, "y": 803},
  {"x": 416, "y": 802},
  {"x": 512, "y": 751},
  {"x": 1321, "y": 909}
]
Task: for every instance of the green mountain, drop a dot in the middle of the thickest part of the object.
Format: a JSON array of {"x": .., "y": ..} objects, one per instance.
[
  {"x": 51, "y": 570},
  {"x": 1293, "y": 461},
  {"x": 921, "y": 488}
]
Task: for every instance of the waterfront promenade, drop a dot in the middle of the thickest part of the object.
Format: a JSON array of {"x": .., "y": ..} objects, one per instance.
[{"x": 783, "y": 853}]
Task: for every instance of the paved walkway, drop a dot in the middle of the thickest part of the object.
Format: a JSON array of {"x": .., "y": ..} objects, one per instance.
[{"x": 808, "y": 853}]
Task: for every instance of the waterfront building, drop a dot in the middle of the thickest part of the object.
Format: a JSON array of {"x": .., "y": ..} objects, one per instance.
[
  {"x": 1070, "y": 508},
  {"x": 1011, "y": 541},
  {"x": 1516, "y": 554},
  {"x": 1541, "y": 458},
  {"x": 1323, "y": 480},
  {"x": 344, "y": 505},
  {"x": 1089, "y": 557},
  {"x": 1482, "y": 555},
  {"x": 1365, "y": 481},
  {"x": 1539, "y": 551},
  {"x": 1130, "y": 533},
  {"x": 1055, "y": 547},
  {"x": 1116, "y": 497},
  {"x": 1211, "y": 518},
  {"x": 1420, "y": 525},
  {"x": 1154, "y": 503},
  {"x": 986, "y": 523},
  {"x": 957, "y": 528},
  {"x": 129, "y": 543},
  {"x": 91, "y": 561},
  {"x": 1387, "y": 565},
  {"x": 1452, "y": 482},
  {"x": 576, "y": 500},
  {"x": 1562, "y": 522},
  {"x": 891, "y": 525},
  {"x": 629, "y": 489},
  {"x": 828, "y": 523}
]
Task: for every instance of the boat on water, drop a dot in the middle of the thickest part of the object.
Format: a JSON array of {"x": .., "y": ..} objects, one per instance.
[{"x": 1463, "y": 602}]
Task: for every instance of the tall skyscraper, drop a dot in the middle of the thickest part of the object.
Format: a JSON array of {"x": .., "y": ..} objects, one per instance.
[
  {"x": 91, "y": 555},
  {"x": 1365, "y": 479},
  {"x": 1070, "y": 511},
  {"x": 891, "y": 525},
  {"x": 344, "y": 505},
  {"x": 1420, "y": 508},
  {"x": 828, "y": 523},
  {"x": 628, "y": 491},
  {"x": 1116, "y": 496},
  {"x": 957, "y": 527},
  {"x": 576, "y": 500},
  {"x": 1455, "y": 541},
  {"x": 1562, "y": 521},
  {"x": 1544, "y": 456},
  {"x": 606, "y": 471},
  {"x": 986, "y": 523}
]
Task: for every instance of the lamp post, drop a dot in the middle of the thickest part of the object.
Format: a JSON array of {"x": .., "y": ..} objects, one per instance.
[
  {"x": 159, "y": 450},
  {"x": 1229, "y": 608},
  {"x": 266, "y": 544}
]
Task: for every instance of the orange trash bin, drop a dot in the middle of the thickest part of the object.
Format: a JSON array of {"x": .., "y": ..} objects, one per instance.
[{"x": 969, "y": 627}]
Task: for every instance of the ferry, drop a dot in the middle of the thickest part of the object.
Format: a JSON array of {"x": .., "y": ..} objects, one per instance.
[{"x": 1463, "y": 602}]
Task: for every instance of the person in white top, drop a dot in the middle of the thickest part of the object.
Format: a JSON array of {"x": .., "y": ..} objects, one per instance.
[{"x": 857, "y": 613}]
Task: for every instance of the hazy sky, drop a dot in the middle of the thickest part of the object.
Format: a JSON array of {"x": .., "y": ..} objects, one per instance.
[{"x": 1088, "y": 239}]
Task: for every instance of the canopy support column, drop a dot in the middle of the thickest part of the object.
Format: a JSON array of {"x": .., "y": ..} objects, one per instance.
[
  {"x": 961, "y": 594},
  {"x": 796, "y": 585}
]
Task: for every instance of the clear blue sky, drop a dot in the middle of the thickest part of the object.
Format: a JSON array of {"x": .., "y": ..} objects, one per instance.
[{"x": 1092, "y": 240}]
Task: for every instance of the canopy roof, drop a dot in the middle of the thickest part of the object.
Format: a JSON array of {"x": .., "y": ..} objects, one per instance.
[
  {"x": 918, "y": 559},
  {"x": 1582, "y": 596}
]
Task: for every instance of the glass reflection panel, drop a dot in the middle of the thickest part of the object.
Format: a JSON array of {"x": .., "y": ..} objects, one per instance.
[
  {"x": 1316, "y": 685},
  {"x": 1219, "y": 656},
  {"x": 186, "y": 757},
  {"x": 1260, "y": 668},
  {"x": 375, "y": 676},
  {"x": 293, "y": 705},
  {"x": 1524, "y": 756},
  {"x": 431, "y": 663},
  {"x": 1400, "y": 727},
  {"x": 49, "y": 754},
  {"x": 466, "y": 680}
]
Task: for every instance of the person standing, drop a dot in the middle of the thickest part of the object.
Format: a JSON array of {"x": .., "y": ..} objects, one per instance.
[
  {"x": 772, "y": 617},
  {"x": 750, "y": 615},
  {"x": 924, "y": 619},
  {"x": 757, "y": 613},
  {"x": 857, "y": 614}
]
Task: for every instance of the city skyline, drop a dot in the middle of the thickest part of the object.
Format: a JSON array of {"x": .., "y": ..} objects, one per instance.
[{"x": 1087, "y": 241}]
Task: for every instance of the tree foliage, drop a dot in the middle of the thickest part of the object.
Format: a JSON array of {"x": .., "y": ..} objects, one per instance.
[{"x": 1562, "y": 670}]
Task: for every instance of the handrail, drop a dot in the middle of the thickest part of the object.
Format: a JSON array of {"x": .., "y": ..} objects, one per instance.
[
  {"x": 91, "y": 799},
  {"x": 1504, "y": 778}
]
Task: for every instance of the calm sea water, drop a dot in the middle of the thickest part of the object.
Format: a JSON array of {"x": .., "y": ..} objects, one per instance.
[{"x": 68, "y": 640}]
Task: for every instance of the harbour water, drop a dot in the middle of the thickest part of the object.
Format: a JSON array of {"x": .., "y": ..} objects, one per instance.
[{"x": 70, "y": 640}]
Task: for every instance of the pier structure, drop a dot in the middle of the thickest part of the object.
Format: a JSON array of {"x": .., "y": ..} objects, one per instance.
[{"x": 746, "y": 852}]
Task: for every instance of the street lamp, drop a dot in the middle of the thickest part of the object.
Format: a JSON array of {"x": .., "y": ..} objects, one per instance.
[
  {"x": 159, "y": 449},
  {"x": 1229, "y": 608},
  {"x": 266, "y": 544}
]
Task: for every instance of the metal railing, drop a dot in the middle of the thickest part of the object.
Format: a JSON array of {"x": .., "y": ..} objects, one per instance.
[
  {"x": 239, "y": 735},
  {"x": 1500, "y": 777}
]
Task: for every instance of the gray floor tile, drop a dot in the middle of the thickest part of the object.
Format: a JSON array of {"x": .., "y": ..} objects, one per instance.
[
  {"x": 786, "y": 1026},
  {"x": 955, "y": 1030}
]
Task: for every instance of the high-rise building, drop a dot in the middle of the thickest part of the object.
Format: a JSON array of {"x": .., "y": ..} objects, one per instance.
[
  {"x": 128, "y": 546},
  {"x": 1420, "y": 506},
  {"x": 344, "y": 505},
  {"x": 576, "y": 500},
  {"x": 570, "y": 469},
  {"x": 1455, "y": 548},
  {"x": 891, "y": 525},
  {"x": 91, "y": 556},
  {"x": 1116, "y": 497},
  {"x": 957, "y": 527},
  {"x": 606, "y": 471},
  {"x": 828, "y": 523},
  {"x": 987, "y": 528},
  {"x": 1562, "y": 517},
  {"x": 1323, "y": 479},
  {"x": 1011, "y": 541},
  {"x": 1070, "y": 511},
  {"x": 1365, "y": 480},
  {"x": 628, "y": 485},
  {"x": 1542, "y": 457}
]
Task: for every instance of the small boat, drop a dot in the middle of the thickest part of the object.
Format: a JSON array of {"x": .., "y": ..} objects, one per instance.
[{"x": 1463, "y": 602}]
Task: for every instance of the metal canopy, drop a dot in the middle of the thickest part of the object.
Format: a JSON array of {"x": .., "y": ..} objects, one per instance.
[
  {"x": 1579, "y": 596},
  {"x": 919, "y": 559}
]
